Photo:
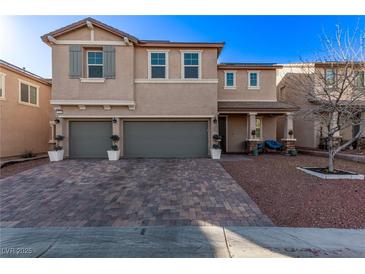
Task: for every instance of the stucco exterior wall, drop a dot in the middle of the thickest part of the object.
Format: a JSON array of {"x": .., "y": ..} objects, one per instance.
[
  {"x": 208, "y": 66},
  {"x": 131, "y": 64},
  {"x": 267, "y": 90},
  {"x": 23, "y": 127},
  {"x": 305, "y": 130},
  {"x": 120, "y": 88},
  {"x": 237, "y": 129}
]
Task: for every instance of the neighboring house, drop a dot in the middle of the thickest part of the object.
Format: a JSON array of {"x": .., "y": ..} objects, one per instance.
[
  {"x": 309, "y": 132},
  {"x": 25, "y": 111},
  {"x": 164, "y": 99}
]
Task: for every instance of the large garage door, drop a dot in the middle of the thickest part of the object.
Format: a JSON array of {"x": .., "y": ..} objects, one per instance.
[
  {"x": 165, "y": 139},
  {"x": 90, "y": 139}
]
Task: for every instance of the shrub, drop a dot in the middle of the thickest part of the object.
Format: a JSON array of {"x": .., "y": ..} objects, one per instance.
[
  {"x": 115, "y": 138},
  {"x": 57, "y": 148},
  {"x": 59, "y": 137},
  {"x": 114, "y": 147},
  {"x": 217, "y": 138},
  {"x": 28, "y": 154},
  {"x": 216, "y": 146}
]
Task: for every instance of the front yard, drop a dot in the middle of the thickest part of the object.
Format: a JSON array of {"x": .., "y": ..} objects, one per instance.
[{"x": 289, "y": 197}]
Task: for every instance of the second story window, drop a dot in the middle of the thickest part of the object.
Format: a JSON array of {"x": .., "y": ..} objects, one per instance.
[
  {"x": 158, "y": 68},
  {"x": 229, "y": 79},
  {"x": 191, "y": 65},
  {"x": 28, "y": 94},
  {"x": 95, "y": 64},
  {"x": 330, "y": 75},
  {"x": 253, "y": 80},
  {"x": 360, "y": 79}
]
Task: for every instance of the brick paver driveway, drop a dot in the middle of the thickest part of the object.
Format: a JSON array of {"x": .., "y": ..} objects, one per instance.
[{"x": 128, "y": 192}]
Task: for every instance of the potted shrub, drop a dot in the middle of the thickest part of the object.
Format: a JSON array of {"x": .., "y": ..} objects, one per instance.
[
  {"x": 216, "y": 152},
  {"x": 291, "y": 133},
  {"x": 255, "y": 152},
  {"x": 253, "y": 134},
  {"x": 57, "y": 153},
  {"x": 114, "y": 153}
]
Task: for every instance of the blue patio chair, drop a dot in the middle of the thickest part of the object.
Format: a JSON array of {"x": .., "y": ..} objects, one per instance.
[{"x": 272, "y": 144}]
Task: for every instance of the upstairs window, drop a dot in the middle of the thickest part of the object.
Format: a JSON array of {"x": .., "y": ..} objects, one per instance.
[
  {"x": 191, "y": 65},
  {"x": 253, "y": 80},
  {"x": 95, "y": 64},
  {"x": 28, "y": 94},
  {"x": 230, "y": 79},
  {"x": 360, "y": 79},
  {"x": 158, "y": 65},
  {"x": 330, "y": 77}
]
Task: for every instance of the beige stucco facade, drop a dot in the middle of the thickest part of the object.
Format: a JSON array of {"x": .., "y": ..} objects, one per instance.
[
  {"x": 133, "y": 95},
  {"x": 24, "y": 127},
  {"x": 266, "y": 90},
  {"x": 308, "y": 130}
]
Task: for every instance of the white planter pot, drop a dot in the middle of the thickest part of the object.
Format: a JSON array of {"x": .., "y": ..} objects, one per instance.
[
  {"x": 113, "y": 155},
  {"x": 215, "y": 153},
  {"x": 55, "y": 155}
]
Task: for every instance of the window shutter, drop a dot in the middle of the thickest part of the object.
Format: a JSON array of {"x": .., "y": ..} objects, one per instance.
[
  {"x": 75, "y": 61},
  {"x": 109, "y": 62}
]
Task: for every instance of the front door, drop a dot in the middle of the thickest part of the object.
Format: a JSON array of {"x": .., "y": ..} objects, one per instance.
[{"x": 222, "y": 131}]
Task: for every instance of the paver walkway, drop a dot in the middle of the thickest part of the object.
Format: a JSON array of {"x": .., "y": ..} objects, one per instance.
[{"x": 129, "y": 192}]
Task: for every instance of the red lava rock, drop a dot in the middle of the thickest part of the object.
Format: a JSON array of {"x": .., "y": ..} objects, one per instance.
[{"x": 291, "y": 197}]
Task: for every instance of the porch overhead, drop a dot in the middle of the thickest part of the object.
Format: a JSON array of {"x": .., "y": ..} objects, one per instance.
[{"x": 255, "y": 106}]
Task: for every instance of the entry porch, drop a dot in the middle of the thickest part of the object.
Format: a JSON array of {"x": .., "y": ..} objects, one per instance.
[{"x": 244, "y": 124}]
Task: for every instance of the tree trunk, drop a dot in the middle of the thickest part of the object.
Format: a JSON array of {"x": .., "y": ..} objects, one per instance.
[
  {"x": 330, "y": 162},
  {"x": 330, "y": 155}
]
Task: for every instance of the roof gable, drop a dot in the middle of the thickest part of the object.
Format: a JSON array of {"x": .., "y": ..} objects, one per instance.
[{"x": 87, "y": 22}]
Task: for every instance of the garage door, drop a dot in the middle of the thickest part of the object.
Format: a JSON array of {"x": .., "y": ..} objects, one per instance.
[
  {"x": 90, "y": 139},
  {"x": 165, "y": 139}
]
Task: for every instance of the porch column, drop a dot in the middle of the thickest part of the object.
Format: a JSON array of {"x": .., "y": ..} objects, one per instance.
[
  {"x": 251, "y": 140},
  {"x": 288, "y": 140}
]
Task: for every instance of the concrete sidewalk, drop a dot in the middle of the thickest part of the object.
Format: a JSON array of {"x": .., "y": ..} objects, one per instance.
[{"x": 181, "y": 242}]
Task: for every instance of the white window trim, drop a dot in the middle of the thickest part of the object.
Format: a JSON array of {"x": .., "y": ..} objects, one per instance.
[
  {"x": 87, "y": 64},
  {"x": 249, "y": 82},
  {"x": 234, "y": 79},
  {"x": 199, "y": 66},
  {"x": 261, "y": 128},
  {"x": 20, "y": 88},
  {"x": 149, "y": 52},
  {"x": 334, "y": 77},
  {"x": 2, "y": 75}
]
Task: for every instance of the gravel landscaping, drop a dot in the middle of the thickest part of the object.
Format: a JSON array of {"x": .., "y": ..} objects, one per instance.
[
  {"x": 291, "y": 197},
  {"x": 12, "y": 169}
]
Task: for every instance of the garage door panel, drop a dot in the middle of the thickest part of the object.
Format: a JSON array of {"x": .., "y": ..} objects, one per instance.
[
  {"x": 165, "y": 139},
  {"x": 90, "y": 139}
]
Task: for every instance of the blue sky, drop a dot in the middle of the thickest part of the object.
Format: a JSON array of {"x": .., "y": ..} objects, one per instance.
[{"x": 276, "y": 39}]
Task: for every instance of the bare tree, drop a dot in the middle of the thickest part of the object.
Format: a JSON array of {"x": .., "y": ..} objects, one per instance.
[{"x": 334, "y": 86}]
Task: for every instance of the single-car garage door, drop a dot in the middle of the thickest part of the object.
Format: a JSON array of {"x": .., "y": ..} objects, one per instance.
[
  {"x": 165, "y": 139},
  {"x": 90, "y": 139}
]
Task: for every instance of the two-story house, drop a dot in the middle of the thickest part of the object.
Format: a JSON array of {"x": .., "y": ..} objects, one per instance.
[
  {"x": 310, "y": 132},
  {"x": 164, "y": 99},
  {"x": 25, "y": 112}
]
